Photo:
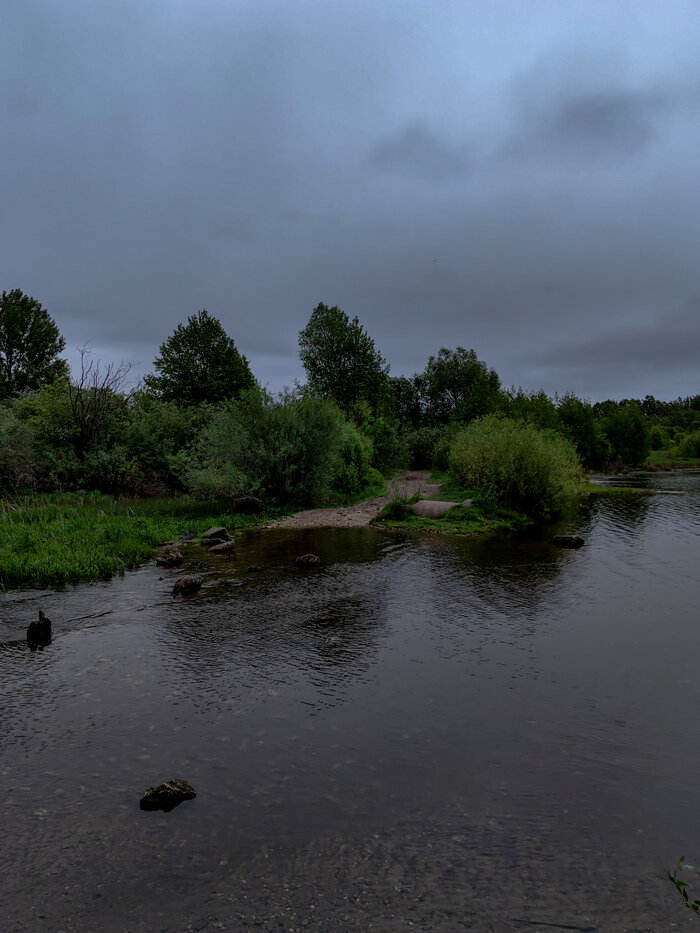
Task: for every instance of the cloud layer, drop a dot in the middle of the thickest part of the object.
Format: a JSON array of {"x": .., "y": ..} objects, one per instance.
[{"x": 519, "y": 178}]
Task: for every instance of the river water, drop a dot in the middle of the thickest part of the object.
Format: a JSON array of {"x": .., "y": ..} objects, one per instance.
[{"x": 424, "y": 733}]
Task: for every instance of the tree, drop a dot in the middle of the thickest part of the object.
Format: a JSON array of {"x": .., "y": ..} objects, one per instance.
[
  {"x": 94, "y": 398},
  {"x": 628, "y": 433},
  {"x": 580, "y": 426},
  {"x": 340, "y": 359},
  {"x": 457, "y": 386},
  {"x": 29, "y": 345},
  {"x": 199, "y": 363}
]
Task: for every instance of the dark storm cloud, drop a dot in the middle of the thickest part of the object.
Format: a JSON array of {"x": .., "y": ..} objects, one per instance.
[{"x": 516, "y": 178}]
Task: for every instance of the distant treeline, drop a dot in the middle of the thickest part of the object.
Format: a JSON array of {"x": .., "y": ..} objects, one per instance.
[{"x": 201, "y": 423}]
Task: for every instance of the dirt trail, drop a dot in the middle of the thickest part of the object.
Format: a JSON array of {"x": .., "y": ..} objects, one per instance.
[{"x": 357, "y": 516}]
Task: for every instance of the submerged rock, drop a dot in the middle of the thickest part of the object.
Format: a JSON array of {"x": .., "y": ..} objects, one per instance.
[
  {"x": 187, "y": 584},
  {"x": 39, "y": 632},
  {"x": 568, "y": 541},
  {"x": 307, "y": 560},
  {"x": 167, "y": 796},
  {"x": 171, "y": 557}
]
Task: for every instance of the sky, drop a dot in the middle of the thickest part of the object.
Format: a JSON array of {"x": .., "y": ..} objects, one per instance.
[{"x": 515, "y": 176}]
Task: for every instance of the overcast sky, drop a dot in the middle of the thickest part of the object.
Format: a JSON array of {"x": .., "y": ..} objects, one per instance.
[{"x": 516, "y": 176}]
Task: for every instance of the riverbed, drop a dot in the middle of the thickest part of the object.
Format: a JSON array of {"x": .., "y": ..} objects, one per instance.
[{"x": 422, "y": 733}]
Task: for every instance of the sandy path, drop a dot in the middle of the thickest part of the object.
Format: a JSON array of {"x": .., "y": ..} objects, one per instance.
[{"x": 357, "y": 516}]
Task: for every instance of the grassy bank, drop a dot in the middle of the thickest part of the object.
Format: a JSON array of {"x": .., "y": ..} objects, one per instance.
[
  {"x": 479, "y": 518},
  {"x": 64, "y": 538}
]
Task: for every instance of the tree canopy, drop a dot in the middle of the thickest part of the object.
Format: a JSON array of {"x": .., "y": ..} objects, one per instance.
[
  {"x": 457, "y": 386},
  {"x": 340, "y": 359},
  {"x": 29, "y": 345},
  {"x": 199, "y": 363}
]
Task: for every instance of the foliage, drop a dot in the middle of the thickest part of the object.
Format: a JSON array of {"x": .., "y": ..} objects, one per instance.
[
  {"x": 627, "y": 432},
  {"x": 284, "y": 450},
  {"x": 536, "y": 407},
  {"x": 579, "y": 424},
  {"x": 16, "y": 450},
  {"x": 457, "y": 386},
  {"x": 29, "y": 345},
  {"x": 404, "y": 402},
  {"x": 516, "y": 465},
  {"x": 54, "y": 539},
  {"x": 199, "y": 363},
  {"x": 382, "y": 432},
  {"x": 352, "y": 468},
  {"x": 95, "y": 397},
  {"x": 340, "y": 359},
  {"x": 660, "y": 437},
  {"x": 682, "y": 885},
  {"x": 690, "y": 445}
]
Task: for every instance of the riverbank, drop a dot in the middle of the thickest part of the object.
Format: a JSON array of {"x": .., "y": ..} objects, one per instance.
[{"x": 64, "y": 538}]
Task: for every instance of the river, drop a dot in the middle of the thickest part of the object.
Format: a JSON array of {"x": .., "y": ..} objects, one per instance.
[{"x": 424, "y": 733}]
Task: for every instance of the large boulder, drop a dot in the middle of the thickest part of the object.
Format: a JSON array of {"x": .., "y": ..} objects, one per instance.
[
  {"x": 167, "y": 796},
  {"x": 39, "y": 632},
  {"x": 190, "y": 583}
]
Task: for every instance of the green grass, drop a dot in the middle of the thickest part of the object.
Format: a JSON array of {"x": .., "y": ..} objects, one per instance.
[
  {"x": 64, "y": 538},
  {"x": 477, "y": 519},
  {"x": 664, "y": 460}
]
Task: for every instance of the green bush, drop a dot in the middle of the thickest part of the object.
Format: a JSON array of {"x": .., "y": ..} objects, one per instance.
[
  {"x": 515, "y": 464},
  {"x": 286, "y": 450},
  {"x": 690, "y": 445},
  {"x": 352, "y": 470}
]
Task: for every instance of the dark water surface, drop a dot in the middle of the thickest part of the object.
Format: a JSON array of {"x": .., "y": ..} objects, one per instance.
[{"x": 426, "y": 733}]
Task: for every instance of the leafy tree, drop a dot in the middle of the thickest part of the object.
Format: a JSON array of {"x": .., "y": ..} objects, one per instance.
[
  {"x": 404, "y": 401},
  {"x": 628, "y": 433},
  {"x": 340, "y": 359},
  {"x": 580, "y": 426},
  {"x": 199, "y": 363},
  {"x": 457, "y": 386},
  {"x": 29, "y": 345},
  {"x": 536, "y": 407}
]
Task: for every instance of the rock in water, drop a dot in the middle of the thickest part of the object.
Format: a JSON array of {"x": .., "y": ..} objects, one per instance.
[
  {"x": 167, "y": 796},
  {"x": 39, "y": 632},
  {"x": 171, "y": 557},
  {"x": 568, "y": 541},
  {"x": 214, "y": 536},
  {"x": 307, "y": 560},
  {"x": 187, "y": 584},
  {"x": 226, "y": 547}
]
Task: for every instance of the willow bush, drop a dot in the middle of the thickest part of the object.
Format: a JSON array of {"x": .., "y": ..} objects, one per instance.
[{"x": 516, "y": 465}]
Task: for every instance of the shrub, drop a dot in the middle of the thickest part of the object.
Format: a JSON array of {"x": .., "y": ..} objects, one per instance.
[
  {"x": 283, "y": 450},
  {"x": 515, "y": 464},
  {"x": 352, "y": 470},
  {"x": 690, "y": 445}
]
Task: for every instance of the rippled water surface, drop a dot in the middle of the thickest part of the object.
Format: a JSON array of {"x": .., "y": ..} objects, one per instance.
[{"x": 428, "y": 733}]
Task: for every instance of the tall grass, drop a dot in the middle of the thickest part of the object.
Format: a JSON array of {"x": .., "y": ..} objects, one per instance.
[{"x": 65, "y": 538}]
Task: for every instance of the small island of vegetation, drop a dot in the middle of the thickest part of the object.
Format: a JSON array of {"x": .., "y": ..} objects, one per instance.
[{"x": 94, "y": 474}]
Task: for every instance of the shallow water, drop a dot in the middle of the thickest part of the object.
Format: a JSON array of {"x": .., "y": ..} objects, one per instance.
[{"x": 429, "y": 733}]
